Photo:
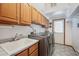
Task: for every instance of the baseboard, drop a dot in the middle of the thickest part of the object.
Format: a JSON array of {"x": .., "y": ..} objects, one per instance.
[
  {"x": 69, "y": 46},
  {"x": 74, "y": 49},
  {"x": 59, "y": 43}
]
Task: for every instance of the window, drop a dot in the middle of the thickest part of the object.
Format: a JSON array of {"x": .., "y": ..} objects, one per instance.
[{"x": 59, "y": 26}]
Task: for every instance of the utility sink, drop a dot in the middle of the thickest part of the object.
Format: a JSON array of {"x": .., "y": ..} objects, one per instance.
[{"x": 18, "y": 45}]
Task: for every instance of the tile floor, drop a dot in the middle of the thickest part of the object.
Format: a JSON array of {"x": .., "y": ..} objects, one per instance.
[{"x": 62, "y": 50}]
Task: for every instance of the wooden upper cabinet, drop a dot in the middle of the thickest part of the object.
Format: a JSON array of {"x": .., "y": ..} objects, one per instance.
[
  {"x": 46, "y": 23},
  {"x": 34, "y": 15},
  {"x": 39, "y": 18},
  {"x": 43, "y": 21},
  {"x": 25, "y": 14},
  {"x": 8, "y": 12},
  {"x": 15, "y": 13}
]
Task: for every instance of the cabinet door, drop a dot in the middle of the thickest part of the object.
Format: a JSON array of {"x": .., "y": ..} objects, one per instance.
[
  {"x": 39, "y": 18},
  {"x": 25, "y": 14},
  {"x": 42, "y": 20},
  {"x": 35, "y": 53},
  {"x": 46, "y": 23},
  {"x": 23, "y": 53},
  {"x": 33, "y": 48},
  {"x": 34, "y": 15},
  {"x": 8, "y": 12}
]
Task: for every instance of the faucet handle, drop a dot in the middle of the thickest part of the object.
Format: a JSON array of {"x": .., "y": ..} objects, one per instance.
[{"x": 16, "y": 36}]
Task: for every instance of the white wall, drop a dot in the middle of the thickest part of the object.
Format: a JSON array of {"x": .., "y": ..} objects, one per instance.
[
  {"x": 72, "y": 33},
  {"x": 38, "y": 28},
  {"x": 75, "y": 33},
  {"x": 7, "y": 32},
  {"x": 68, "y": 40}
]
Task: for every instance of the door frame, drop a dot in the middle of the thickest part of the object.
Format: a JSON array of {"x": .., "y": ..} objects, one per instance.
[{"x": 64, "y": 26}]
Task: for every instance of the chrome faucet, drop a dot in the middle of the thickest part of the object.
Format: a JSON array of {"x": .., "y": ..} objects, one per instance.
[{"x": 17, "y": 36}]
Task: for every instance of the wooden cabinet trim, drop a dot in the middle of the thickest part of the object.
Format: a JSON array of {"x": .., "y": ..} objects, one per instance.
[
  {"x": 24, "y": 52},
  {"x": 33, "y": 48},
  {"x": 35, "y": 53}
]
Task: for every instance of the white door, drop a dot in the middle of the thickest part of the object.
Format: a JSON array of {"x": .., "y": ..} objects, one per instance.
[{"x": 59, "y": 31}]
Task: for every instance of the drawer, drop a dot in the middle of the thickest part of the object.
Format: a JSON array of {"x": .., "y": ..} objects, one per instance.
[
  {"x": 23, "y": 53},
  {"x": 33, "y": 48},
  {"x": 35, "y": 53}
]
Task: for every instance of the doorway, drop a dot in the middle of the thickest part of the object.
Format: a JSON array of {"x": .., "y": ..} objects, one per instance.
[{"x": 59, "y": 30}]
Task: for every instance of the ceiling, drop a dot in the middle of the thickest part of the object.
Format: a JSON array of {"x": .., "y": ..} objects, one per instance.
[{"x": 57, "y": 10}]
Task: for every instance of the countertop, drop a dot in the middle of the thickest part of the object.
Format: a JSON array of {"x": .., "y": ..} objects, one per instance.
[{"x": 14, "y": 47}]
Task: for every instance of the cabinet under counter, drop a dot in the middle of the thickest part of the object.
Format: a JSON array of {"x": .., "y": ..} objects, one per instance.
[{"x": 31, "y": 51}]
